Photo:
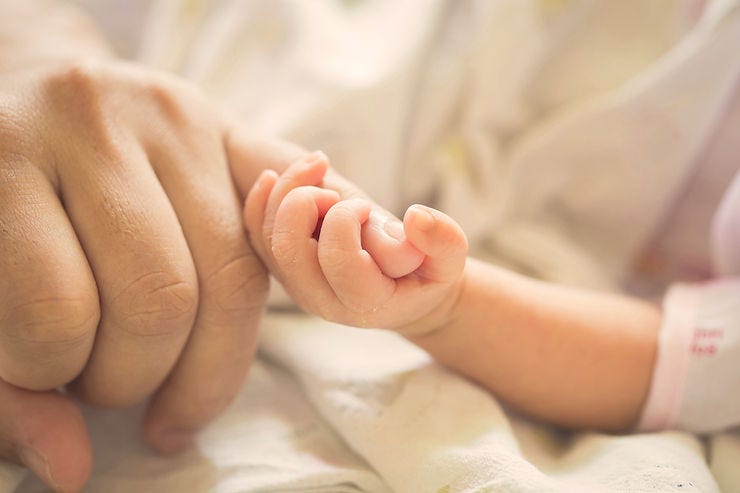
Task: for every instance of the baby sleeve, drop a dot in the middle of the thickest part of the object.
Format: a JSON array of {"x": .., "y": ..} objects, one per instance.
[{"x": 696, "y": 378}]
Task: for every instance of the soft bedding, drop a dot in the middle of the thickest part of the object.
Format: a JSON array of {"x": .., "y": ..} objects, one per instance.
[{"x": 334, "y": 409}]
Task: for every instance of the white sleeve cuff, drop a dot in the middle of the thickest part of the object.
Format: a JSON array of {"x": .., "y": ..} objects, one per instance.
[
  {"x": 672, "y": 359},
  {"x": 696, "y": 379}
]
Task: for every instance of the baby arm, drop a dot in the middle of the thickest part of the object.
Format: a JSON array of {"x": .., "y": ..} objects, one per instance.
[{"x": 572, "y": 357}]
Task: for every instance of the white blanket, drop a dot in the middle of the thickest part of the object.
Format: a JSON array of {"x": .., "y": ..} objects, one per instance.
[
  {"x": 424, "y": 429},
  {"x": 493, "y": 110},
  {"x": 334, "y": 409}
]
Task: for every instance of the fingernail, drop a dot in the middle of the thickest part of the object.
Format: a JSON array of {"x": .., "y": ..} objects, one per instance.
[
  {"x": 315, "y": 157},
  {"x": 394, "y": 228},
  {"x": 37, "y": 463},
  {"x": 424, "y": 219},
  {"x": 260, "y": 182},
  {"x": 176, "y": 440}
]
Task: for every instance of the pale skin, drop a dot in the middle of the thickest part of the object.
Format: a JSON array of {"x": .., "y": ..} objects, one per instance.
[{"x": 568, "y": 356}]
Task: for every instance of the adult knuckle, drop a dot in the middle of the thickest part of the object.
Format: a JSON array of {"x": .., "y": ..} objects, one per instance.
[
  {"x": 238, "y": 287},
  {"x": 165, "y": 101},
  {"x": 179, "y": 104},
  {"x": 84, "y": 97},
  {"x": 55, "y": 318},
  {"x": 157, "y": 303},
  {"x": 76, "y": 81}
]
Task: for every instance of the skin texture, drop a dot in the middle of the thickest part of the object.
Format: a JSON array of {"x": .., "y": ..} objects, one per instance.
[
  {"x": 125, "y": 272},
  {"x": 572, "y": 357}
]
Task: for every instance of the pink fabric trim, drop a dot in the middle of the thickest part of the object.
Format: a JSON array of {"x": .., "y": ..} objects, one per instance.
[
  {"x": 674, "y": 346},
  {"x": 726, "y": 232}
]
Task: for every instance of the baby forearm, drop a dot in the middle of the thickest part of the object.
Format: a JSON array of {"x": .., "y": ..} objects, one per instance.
[{"x": 572, "y": 357}]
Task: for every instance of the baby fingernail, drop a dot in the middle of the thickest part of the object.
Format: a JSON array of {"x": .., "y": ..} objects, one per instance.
[
  {"x": 394, "y": 229},
  {"x": 262, "y": 179},
  {"x": 315, "y": 157},
  {"x": 423, "y": 218}
]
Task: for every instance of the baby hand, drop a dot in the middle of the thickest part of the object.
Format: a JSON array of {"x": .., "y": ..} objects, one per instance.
[{"x": 350, "y": 261}]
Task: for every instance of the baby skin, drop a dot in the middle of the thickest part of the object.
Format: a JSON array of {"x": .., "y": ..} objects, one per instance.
[
  {"x": 348, "y": 260},
  {"x": 572, "y": 357}
]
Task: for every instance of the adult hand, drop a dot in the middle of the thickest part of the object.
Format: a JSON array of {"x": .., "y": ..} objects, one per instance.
[{"x": 124, "y": 267}]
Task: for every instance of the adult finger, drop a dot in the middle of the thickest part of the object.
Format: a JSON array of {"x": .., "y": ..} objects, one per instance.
[
  {"x": 233, "y": 286},
  {"x": 254, "y": 213},
  {"x": 142, "y": 265},
  {"x": 249, "y": 154},
  {"x": 45, "y": 432},
  {"x": 48, "y": 299}
]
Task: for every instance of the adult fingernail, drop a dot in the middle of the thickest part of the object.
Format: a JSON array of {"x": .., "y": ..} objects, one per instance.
[
  {"x": 423, "y": 218},
  {"x": 176, "y": 440},
  {"x": 38, "y": 464}
]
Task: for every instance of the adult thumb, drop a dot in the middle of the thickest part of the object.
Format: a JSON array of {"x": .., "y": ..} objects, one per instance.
[{"x": 45, "y": 432}]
